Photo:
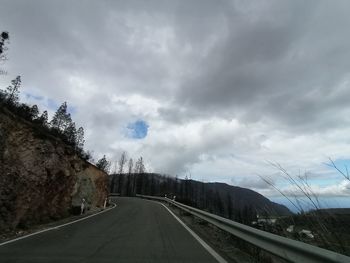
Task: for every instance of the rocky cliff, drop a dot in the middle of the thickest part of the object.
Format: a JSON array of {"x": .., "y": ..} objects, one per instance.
[{"x": 41, "y": 178}]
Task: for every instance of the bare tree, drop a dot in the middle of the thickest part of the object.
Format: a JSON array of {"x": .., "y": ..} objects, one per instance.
[
  {"x": 122, "y": 162},
  {"x": 130, "y": 166},
  {"x": 140, "y": 166},
  {"x": 139, "y": 170},
  {"x": 131, "y": 178}
]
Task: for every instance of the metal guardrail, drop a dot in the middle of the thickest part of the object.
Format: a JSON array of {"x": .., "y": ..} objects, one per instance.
[{"x": 288, "y": 249}]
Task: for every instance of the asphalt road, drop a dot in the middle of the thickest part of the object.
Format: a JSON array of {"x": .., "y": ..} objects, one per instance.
[{"x": 135, "y": 231}]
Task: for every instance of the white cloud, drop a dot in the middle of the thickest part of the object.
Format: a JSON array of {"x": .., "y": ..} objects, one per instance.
[
  {"x": 224, "y": 87},
  {"x": 314, "y": 191}
]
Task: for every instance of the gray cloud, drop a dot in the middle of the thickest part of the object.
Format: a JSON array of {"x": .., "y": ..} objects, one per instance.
[
  {"x": 258, "y": 80},
  {"x": 286, "y": 61}
]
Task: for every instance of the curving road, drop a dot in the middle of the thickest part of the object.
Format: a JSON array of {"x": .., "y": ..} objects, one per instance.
[{"x": 136, "y": 230}]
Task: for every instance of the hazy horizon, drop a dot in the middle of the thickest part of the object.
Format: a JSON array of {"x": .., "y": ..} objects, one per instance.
[{"x": 214, "y": 90}]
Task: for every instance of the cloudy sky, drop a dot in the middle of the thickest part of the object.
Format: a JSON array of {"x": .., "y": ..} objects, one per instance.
[{"x": 214, "y": 90}]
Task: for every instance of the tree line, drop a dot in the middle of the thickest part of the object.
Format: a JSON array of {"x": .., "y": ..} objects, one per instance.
[
  {"x": 61, "y": 124},
  {"x": 129, "y": 178}
]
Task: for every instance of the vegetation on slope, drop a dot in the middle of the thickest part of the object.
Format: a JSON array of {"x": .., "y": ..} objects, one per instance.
[{"x": 61, "y": 126}]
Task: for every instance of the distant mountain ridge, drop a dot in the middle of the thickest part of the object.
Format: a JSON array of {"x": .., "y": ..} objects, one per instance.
[
  {"x": 219, "y": 198},
  {"x": 242, "y": 197}
]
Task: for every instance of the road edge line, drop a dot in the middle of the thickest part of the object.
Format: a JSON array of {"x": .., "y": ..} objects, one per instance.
[
  {"x": 56, "y": 227},
  {"x": 211, "y": 251}
]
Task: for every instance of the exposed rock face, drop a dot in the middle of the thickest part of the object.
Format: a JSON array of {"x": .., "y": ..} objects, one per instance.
[{"x": 41, "y": 178}]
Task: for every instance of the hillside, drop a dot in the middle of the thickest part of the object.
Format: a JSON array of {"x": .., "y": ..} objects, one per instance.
[
  {"x": 223, "y": 199},
  {"x": 242, "y": 197},
  {"x": 41, "y": 177},
  {"x": 332, "y": 211}
]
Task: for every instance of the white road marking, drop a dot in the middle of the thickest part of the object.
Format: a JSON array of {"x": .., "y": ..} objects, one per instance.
[
  {"x": 56, "y": 227},
  {"x": 201, "y": 241}
]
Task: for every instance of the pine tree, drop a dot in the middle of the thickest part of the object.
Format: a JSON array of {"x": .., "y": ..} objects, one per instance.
[
  {"x": 67, "y": 122},
  {"x": 43, "y": 119},
  {"x": 103, "y": 164},
  {"x": 34, "y": 112},
  {"x": 58, "y": 118},
  {"x": 61, "y": 120},
  {"x": 71, "y": 133},
  {"x": 79, "y": 143},
  {"x": 12, "y": 91}
]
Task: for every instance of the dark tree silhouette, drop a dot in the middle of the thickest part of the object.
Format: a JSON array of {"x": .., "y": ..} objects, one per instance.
[
  {"x": 103, "y": 164},
  {"x": 12, "y": 92},
  {"x": 34, "y": 112},
  {"x": 4, "y": 38},
  {"x": 62, "y": 119},
  {"x": 43, "y": 119},
  {"x": 131, "y": 178},
  {"x": 71, "y": 133},
  {"x": 122, "y": 162},
  {"x": 80, "y": 138}
]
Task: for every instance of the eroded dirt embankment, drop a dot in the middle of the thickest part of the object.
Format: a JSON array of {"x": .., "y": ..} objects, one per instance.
[{"x": 41, "y": 178}]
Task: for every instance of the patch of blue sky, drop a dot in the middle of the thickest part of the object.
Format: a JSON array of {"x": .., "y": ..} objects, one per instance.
[
  {"x": 331, "y": 174},
  {"x": 325, "y": 202},
  {"x": 137, "y": 129},
  {"x": 31, "y": 98},
  {"x": 72, "y": 110},
  {"x": 325, "y": 182},
  {"x": 325, "y": 176},
  {"x": 52, "y": 104},
  {"x": 29, "y": 95},
  {"x": 319, "y": 182},
  {"x": 342, "y": 164}
]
